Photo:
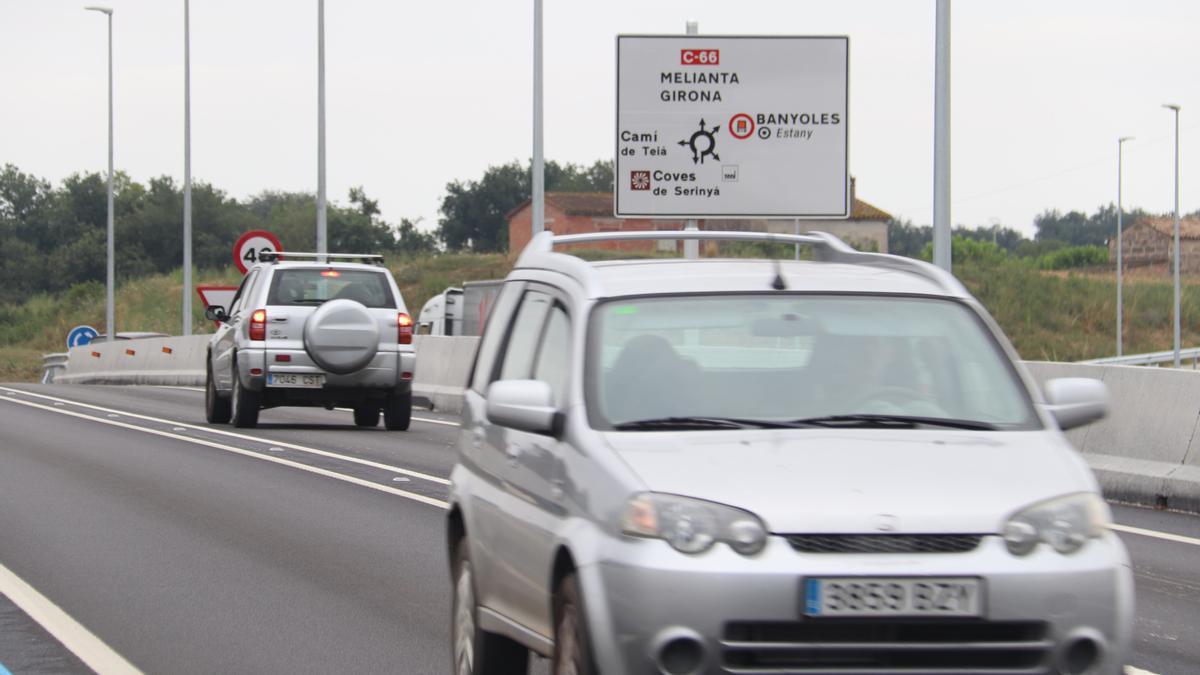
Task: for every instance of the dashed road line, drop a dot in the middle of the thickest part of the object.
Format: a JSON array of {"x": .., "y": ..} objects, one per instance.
[
  {"x": 248, "y": 453},
  {"x": 79, "y": 640},
  {"x": 256, "y": 439},
  {"x": 428, "y": 420},
  {"x": 1166, "y": 536}
]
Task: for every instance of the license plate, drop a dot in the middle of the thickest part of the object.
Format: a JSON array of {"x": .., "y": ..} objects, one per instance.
[
  {"x": 888, "y": 596},
  {"x": 302, "y": 380}
]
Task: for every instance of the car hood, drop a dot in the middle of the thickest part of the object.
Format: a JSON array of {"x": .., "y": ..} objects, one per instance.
[{"x": 861, "y": 481}]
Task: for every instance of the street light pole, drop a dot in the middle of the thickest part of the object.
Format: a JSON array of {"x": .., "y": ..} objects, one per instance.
[
  {"x": 1120, "y": 257},
  {"x": 321, "y": 222},
  {"x": 1175, "y": 108},
  {"x": 941, "y": 139},
  {"x": 187, "y": 170},
  {"x": 538, "y": 169},
  {"x": 109, "y": 320}
]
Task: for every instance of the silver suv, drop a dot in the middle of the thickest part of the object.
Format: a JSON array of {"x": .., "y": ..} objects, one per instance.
[
  {"x": 308, "y": 331},
  {"x": 761, "y": 466}
]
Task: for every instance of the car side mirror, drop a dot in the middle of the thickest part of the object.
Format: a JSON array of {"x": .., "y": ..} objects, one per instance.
[
  {"x": 216, "y": 313},
  {"x": 526, "y": 405},
  {"x": 1076, "y": 401}
]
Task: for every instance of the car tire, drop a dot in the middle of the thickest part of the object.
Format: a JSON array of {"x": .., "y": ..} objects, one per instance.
[
  {"x": 397, "y": 412},
  {"x": 473, "y": 650},
  {"x": 572, "y": 646},
  {"x": 245, "y": 404},
  {"x": 217, "y": 410},
  {"x": 366, "y": 415}
]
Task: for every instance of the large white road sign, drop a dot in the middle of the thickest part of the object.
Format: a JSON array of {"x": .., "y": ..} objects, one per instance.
[{"x": 726, "y": 126}]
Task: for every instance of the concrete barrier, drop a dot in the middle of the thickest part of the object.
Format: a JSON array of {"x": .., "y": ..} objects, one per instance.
[
  {"x": 443, "y": 364},
  {"x": 1146, "y": 451},
  {"x": 170, "y": 360}
]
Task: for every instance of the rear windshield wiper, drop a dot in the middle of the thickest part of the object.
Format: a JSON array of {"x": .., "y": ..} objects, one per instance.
[
  {"x": 878, "y": 421},
  {"x": 677, "y": 423}
]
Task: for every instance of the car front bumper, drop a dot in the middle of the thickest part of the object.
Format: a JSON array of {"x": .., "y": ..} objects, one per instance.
[{"x": 647, "y": 605}]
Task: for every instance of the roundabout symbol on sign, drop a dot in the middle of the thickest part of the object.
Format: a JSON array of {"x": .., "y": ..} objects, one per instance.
[
  {"x": 251, "y": 245},
  {"x": 741, "y": 126}
]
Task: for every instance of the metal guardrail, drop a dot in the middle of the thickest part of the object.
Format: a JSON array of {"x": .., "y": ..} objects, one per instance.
[
  {"x": 1151, "y": 358},
  {"x": 51, "y": 364}
]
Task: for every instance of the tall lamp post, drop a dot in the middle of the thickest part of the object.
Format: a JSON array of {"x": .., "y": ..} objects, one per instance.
[
  {"x": 1175, "y": 108},
  {"x": 109, "y": 322},
  {"x": 321, "y": 223},
  {"x": 1120, "y": 257},
  {"x": 187, "y": 170},
  {"x": 537, "y": 167}
]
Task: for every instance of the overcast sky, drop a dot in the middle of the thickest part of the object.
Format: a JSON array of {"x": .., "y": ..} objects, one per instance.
[{"x": 423, "y": 93}]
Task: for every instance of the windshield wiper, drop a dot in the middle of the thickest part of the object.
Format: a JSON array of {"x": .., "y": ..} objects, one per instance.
[
  {"x": 676, "y": 423},
  {"x": 879, "y": 421}
]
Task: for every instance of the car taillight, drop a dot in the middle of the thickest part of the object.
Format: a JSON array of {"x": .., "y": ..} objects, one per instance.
[
  {"x": 404, "y": 326},
  {"x": 258, "y": 325}
]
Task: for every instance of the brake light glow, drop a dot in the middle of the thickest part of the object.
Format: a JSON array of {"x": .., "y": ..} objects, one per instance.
[
  {"x": 404, "y": 326},
  {"x": 331, "y": 273},
  {"x": 283, "y": 358},
  {"x": 258, "y": 325}
]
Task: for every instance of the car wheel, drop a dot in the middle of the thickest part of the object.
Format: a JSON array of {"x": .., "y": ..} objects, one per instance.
[
  {"x": 217, "y": 410},
  {"x": 245, "y": 404},
  {"x": 572, "y": 649},
  {"x": 366, "y": 415},
  {"x": 475, "y": 651},
  {"x": 397, "y": 412}
]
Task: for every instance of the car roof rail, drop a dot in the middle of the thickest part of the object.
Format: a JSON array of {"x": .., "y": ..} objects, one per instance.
[
  {"x": 826, "y": 248},
  {"x": 277, "y": 256}
]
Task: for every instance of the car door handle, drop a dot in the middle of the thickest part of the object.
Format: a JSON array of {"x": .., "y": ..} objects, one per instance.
[
  {"x": 477, "y": 434},
  {"x": 513, "y": 451}
]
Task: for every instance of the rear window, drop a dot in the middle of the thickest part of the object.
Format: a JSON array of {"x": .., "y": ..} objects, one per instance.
[{"x": 310, "y": 287}]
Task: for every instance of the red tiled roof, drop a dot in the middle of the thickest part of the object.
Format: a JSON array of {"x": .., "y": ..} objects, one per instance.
[
  {"x": 1189, "y": 228},
  {"x": 601, "y": 204}
]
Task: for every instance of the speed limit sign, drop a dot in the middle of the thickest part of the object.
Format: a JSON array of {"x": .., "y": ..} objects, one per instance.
[{"x": 250, "y": 247}]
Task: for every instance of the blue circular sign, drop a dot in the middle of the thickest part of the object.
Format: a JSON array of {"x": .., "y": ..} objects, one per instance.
[{"x": 81, "y": 335}]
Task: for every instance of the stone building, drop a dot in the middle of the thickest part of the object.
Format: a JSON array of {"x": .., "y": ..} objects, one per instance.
[
  {"x": 580, "y": 212},
  {"x": 1150, "y": 241}
]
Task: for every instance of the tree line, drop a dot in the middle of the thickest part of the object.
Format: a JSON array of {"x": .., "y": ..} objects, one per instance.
[
  {"x": 1053, "y": 232},
  {"x": 53, "y": 237}
]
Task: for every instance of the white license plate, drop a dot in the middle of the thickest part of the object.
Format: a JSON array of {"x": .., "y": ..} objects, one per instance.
[
  {"x": 301, "y": 380},
  {"x": 893, "y": 596}
]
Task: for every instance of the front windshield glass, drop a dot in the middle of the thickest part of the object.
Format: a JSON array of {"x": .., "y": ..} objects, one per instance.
[{"x": 787, "y": 357}]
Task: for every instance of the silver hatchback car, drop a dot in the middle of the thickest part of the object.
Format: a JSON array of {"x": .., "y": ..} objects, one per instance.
[
  {"x": 758, "y": 466},
  {"x": 312, "y": 330}
]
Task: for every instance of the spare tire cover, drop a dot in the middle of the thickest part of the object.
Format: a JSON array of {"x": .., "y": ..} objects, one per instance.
[{"x": 341, "y": 336}]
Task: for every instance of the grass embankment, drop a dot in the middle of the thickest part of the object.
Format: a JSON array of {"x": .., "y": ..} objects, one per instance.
[
  {"x": 154, "y": 303},
  {"x": 1057, "y": 316}
]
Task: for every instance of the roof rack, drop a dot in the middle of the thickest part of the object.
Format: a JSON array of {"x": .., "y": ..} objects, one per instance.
[
  {"x": 276, "y": 256},
  {"x": 826, "y": 248}
]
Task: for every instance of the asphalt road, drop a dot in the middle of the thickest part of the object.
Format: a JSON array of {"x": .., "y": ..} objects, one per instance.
[{"x": 306, "y": 545}]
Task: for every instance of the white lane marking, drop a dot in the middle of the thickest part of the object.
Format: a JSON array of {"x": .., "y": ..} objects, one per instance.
[
  {"x": 428, "y": 420},
  {"x": 248, "y": 453},
  {"x": 1156, "y": 534},
  {"x": 79, "y": 640},
  {"x": 1130, "y": 670},
  {"x": 230, "y": 434}
]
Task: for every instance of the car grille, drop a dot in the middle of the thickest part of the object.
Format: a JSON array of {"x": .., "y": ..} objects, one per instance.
[
  {"x": 884, "y": 543},
  {"x": 887, "y": 646}
]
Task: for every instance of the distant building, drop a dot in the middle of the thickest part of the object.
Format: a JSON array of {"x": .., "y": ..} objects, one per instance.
[
  {"x": 580, "y": 212},
  {"x": 1150, "y": 241}
]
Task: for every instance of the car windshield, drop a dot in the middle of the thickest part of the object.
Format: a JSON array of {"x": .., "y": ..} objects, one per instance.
[
  {"x": 315, "y": 286},
  {"x": 828, "y": 360}
]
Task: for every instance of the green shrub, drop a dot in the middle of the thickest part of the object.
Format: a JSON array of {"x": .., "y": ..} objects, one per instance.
[{"x": 1073, "y": 257}]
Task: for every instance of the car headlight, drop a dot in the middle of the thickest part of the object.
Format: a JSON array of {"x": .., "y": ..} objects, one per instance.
[
  {"x": 692, "y": 525},
  {"x": 1065, "y": 523}
]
